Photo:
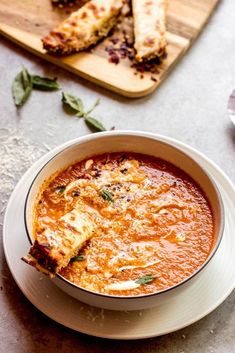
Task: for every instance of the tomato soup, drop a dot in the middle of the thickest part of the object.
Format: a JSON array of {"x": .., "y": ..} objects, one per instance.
[{"x": 150, "y": 225}]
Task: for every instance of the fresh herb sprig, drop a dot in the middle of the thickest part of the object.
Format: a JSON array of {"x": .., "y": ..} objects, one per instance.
[
  {"x": 76, "y": 106},
  {"x": 145, "y": 279},
  {"x": 24, "y": 83},
  {"x": 106, "y": 195}
]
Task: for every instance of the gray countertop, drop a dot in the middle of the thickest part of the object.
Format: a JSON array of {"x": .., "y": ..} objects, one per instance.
[{"x": 190, "y": 106}]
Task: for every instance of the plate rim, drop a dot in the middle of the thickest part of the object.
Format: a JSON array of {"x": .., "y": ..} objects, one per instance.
[{"x": 186, "y": 148}]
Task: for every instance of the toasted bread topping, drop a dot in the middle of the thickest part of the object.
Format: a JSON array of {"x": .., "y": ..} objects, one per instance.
[
  {"x": 83, "y": 27},
  {"x": 149, "y": 28}
]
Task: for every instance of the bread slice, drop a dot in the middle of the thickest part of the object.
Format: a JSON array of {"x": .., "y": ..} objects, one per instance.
[
  {"x": 149, "y": 28},
  {"x": 84, "y": 27},
  {"x": 54, "y": 248}
]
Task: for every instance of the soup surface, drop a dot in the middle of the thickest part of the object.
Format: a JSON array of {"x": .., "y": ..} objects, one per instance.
[{"x": 151, "y": 224}]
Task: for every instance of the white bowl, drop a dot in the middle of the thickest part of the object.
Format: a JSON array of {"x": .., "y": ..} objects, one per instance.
[{"x": 127, "y": 141}]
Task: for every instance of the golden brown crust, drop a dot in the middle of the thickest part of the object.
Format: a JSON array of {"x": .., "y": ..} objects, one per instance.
[
  {"x": 56, "y": 244},
  {"x": 83, "y": 27},
  {"x": 28, "y": 259}
]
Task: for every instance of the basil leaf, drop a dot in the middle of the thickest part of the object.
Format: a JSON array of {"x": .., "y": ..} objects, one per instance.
[
  {"x": 97, "y": 102},
  {"x": 94, "y": 124},
  {"x": 107, "y": 195},
  {"x": 45, "y": 83},
  {"x": 75, "y": 104},
  {"x": 60, "y": 189},
  {"x": 76, "y": 107},
  {"x": 145, "y": 279},
  {"x": 22, "y": 87},
  {"x": 77, "y": 258}
]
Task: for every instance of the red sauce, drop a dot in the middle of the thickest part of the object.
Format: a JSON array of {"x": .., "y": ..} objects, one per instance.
[{"x": 155, "y": 221}]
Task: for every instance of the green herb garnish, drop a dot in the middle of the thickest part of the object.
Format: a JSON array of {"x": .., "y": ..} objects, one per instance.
[
  {"x": 145, "y": 279},
  {"x": 22, "y": 87},
  {"x": 107, "y": 195},
  {"x": 76, "y": 106},
  {"x": 77, "y": 258},
  {"x": 24, "y": 83},
  {"x": 74, "y": 103},
  {"x": 45, "y": 83},
  {"x": 60, "y": 189},
  {"x": 94, "y": 124}
]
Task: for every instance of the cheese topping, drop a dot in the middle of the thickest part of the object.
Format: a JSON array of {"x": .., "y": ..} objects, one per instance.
[
  {"x": 84, "y": 27},
  {"x": 149, "y": 28},
  {"x": 57, "y": 242},
  {"x": 121, "y": 286}
]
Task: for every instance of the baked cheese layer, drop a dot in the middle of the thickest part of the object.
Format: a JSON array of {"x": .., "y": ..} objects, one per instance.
[
  {"x": 60, "y": 241},
  {"x": 149, "y": 28},
  {"x": 83, "y": 27}
]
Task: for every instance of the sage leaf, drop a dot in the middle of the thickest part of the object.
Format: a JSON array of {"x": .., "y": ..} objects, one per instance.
[
  {"x": 74, "y": 103},
  {"x": 107, "y": 195},
  {"x": 45, "y": 83},
  {"x": 145, "y": 279},
  {"x": 22, "y": 87},
  {"x": 94, "y": 124}
]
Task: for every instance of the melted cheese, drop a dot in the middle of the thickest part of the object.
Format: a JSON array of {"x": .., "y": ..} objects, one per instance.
[
  {"x": 79, "y": 221},
  {"x": 132, "y": 267},
  {"x": 84, "y": 27},
  {"x": 122, "y": 286},
  {"x": 61, "y": 244},
  {"x": 149, "y": 28}
]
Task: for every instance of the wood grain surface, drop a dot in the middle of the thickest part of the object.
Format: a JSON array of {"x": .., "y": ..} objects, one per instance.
[{"x": 26, "y": 21}]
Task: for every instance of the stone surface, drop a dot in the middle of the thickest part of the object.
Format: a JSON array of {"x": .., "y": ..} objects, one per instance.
[{"x": 190, "y": 106}]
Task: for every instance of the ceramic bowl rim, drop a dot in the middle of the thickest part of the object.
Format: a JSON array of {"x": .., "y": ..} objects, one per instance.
[{"x": 158, "y": 138}]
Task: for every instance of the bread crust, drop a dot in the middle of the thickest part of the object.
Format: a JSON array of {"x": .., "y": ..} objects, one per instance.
[{"x": 84, "y": 27}]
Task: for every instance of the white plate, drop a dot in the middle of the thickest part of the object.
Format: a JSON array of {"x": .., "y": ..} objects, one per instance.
[{"x": 205, "y": 294}]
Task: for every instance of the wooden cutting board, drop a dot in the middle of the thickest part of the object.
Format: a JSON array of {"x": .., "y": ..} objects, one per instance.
[{"x": 26, "y": 21}]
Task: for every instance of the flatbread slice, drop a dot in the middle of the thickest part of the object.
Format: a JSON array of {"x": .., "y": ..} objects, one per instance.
[
  {"x": 149, "y": 28},
  {"x": 53, "y": 249},
  {"x": 84, "y": 27}
]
